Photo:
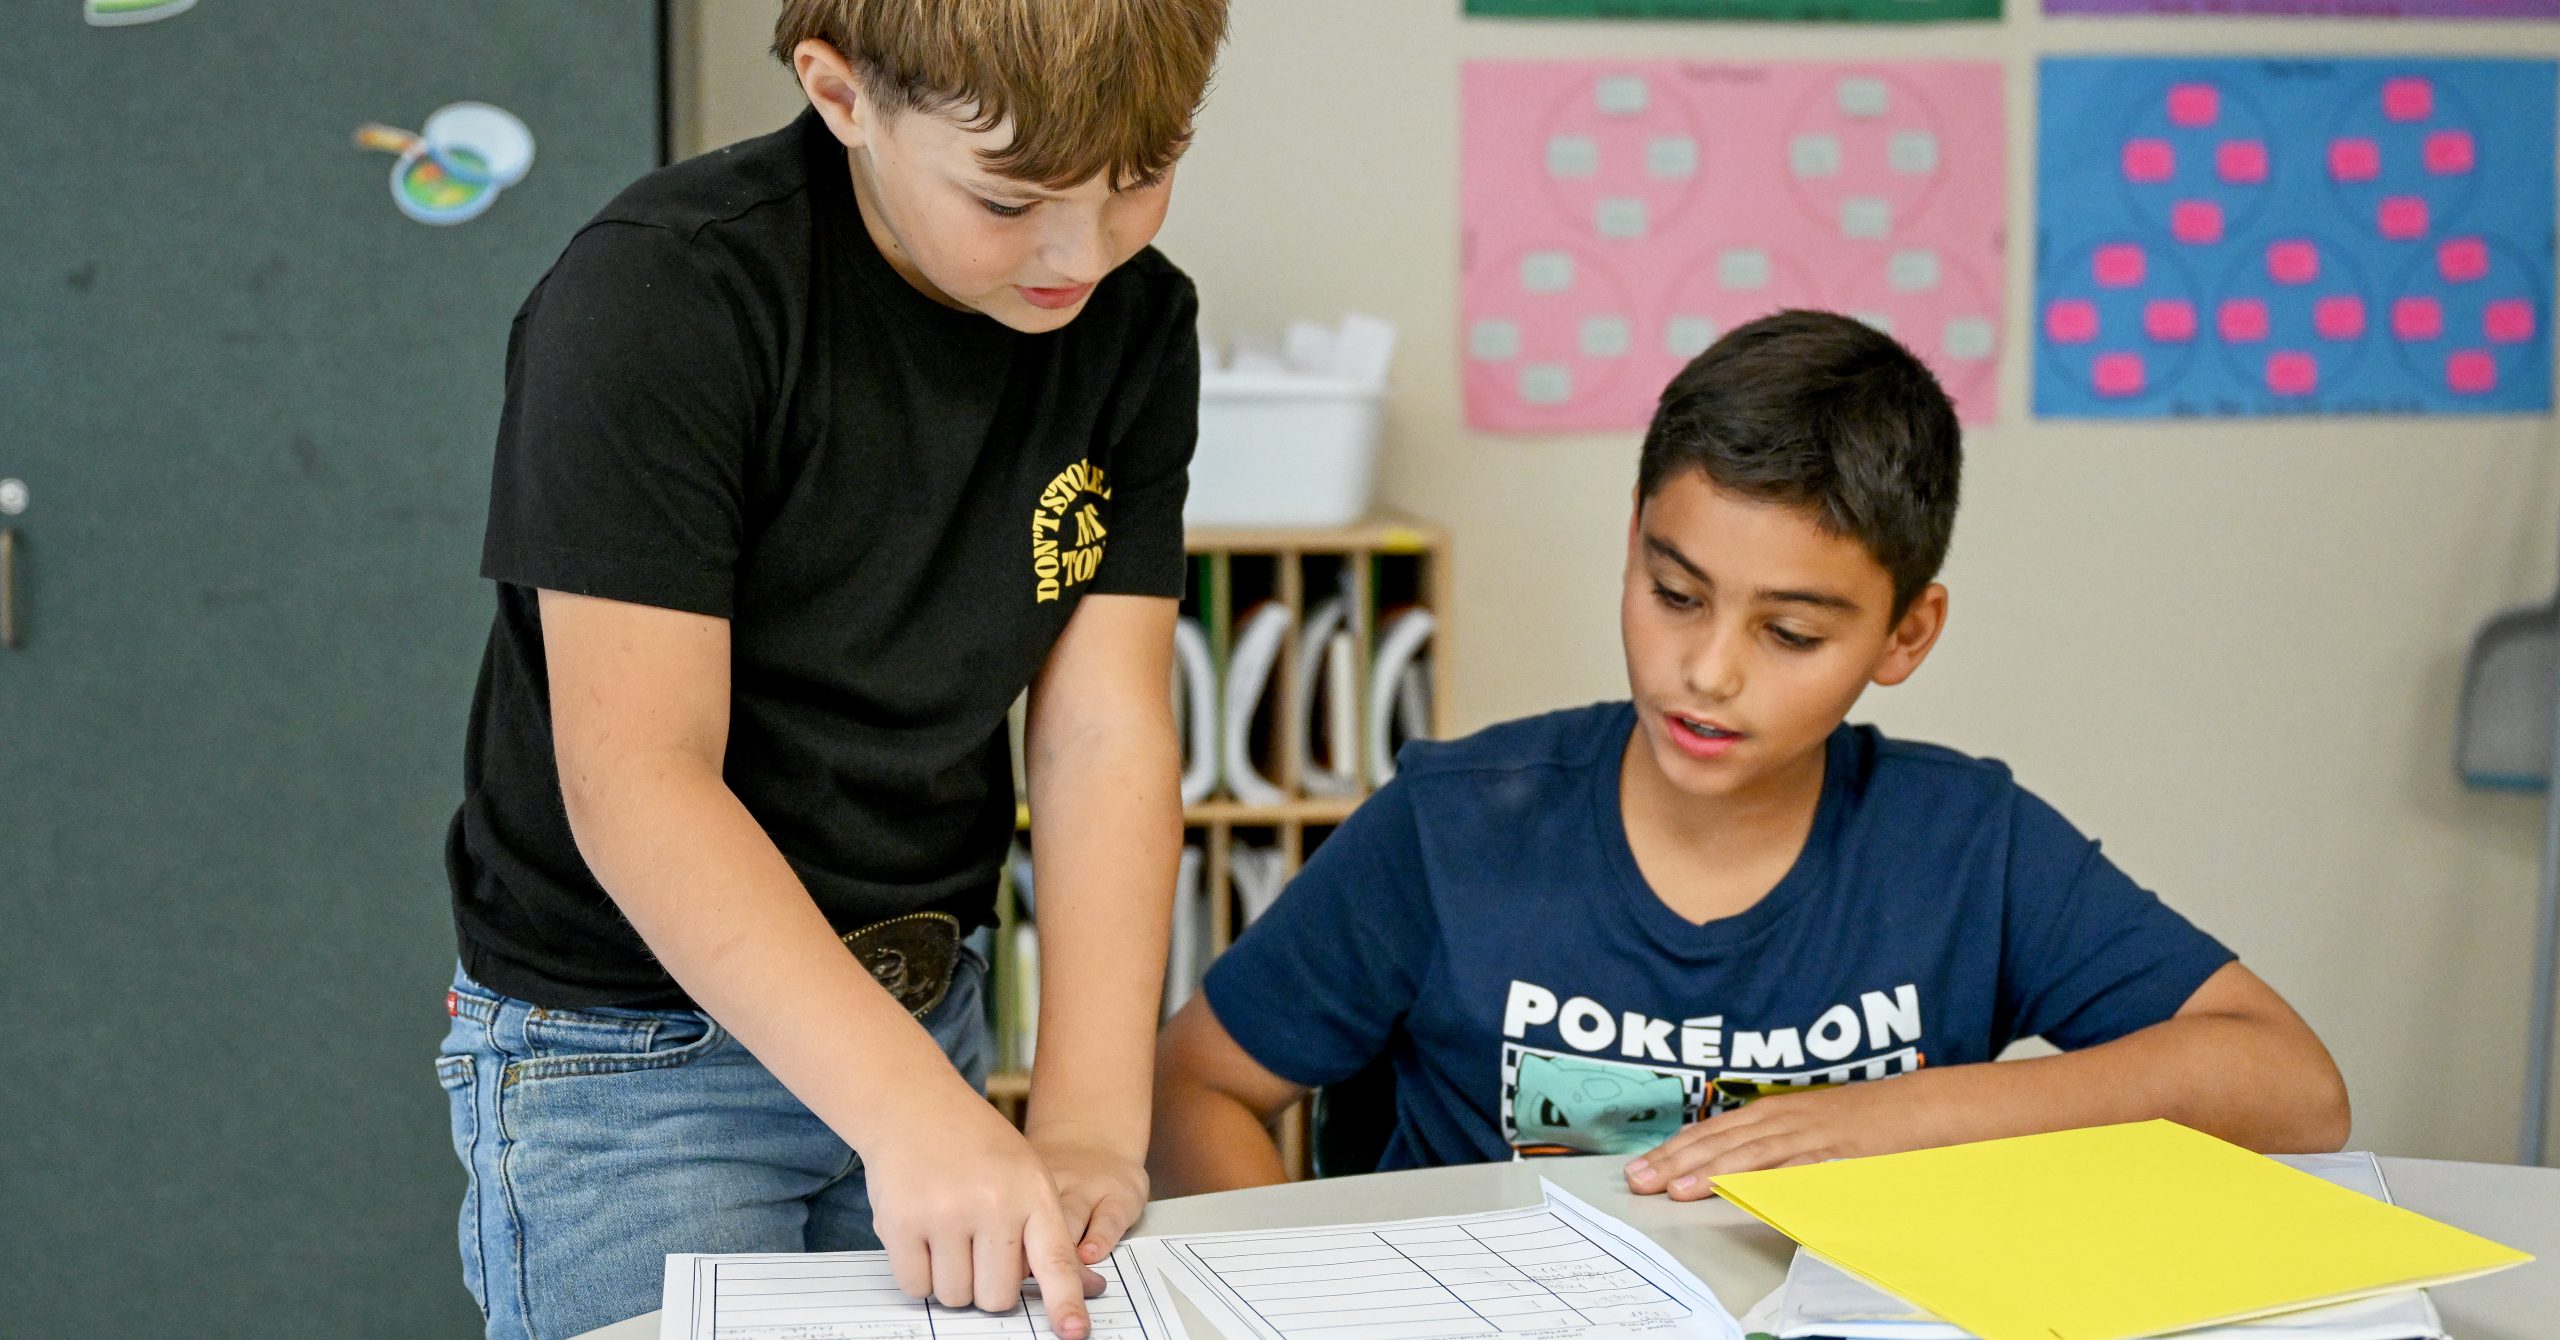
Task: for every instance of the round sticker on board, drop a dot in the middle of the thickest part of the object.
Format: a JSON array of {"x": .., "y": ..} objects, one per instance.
[
  {"x": 478, "y": 143},
  {"x": 126, "y": 13},
  {"x": 454, "y": 169}
]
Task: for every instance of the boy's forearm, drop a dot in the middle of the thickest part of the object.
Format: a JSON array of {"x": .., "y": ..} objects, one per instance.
[
  {"x": 713, "y": 898},
  {"x": 1106, "y": 835},
  {"x": 2250, "y": 1081},
  {"x": 1209, "y": 1141},
  {"x": 2235, "y": 1062}
]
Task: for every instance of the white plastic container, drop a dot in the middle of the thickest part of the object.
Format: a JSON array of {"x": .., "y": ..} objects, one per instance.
[{"x": 1283, "y": 449}]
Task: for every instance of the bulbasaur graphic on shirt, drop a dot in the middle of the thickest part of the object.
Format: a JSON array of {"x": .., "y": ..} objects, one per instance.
[{"x": 1580, "y": 1076}]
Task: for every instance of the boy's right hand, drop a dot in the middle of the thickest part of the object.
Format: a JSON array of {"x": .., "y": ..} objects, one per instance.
[{"x": 967, "y": 1210}]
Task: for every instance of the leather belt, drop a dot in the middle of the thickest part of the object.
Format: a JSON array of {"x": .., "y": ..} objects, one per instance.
[{"x": 911, "y": 957}]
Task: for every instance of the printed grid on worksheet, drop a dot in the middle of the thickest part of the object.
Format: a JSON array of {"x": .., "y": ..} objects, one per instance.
[
  {"x": 1530, "y": 1271},
  {"x": 853, "y": 1296}
]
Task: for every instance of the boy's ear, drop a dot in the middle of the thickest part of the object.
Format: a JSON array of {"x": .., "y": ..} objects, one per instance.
[
  {"x": 834, "y": 89},
  {"x": 1909, "y": 642},
  {"x": 1635, "y": 521}
]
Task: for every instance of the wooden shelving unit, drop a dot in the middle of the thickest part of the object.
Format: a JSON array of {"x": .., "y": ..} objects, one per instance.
[{"x": 1388, "y": 562}]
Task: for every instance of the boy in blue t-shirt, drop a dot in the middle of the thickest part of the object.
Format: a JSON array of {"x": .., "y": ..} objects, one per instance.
[{"x": 1715, "y": 928}]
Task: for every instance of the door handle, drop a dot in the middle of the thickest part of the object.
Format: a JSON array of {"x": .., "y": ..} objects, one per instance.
[
  {"x": 13, "y": 500},
  {"x": 8, "y": 588}
]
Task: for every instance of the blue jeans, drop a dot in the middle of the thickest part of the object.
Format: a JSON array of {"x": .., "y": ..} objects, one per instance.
[{"x": 598, "y": 1141}]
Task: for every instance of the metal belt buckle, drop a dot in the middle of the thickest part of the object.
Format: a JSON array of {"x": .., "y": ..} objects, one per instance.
[{"x": 911, "y": 957}]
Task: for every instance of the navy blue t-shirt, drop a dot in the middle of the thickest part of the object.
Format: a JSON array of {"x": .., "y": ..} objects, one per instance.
[{"x": 1482, "y": 921}]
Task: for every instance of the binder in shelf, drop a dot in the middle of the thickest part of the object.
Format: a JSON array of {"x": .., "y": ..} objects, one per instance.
[
  {"x": 1188, "y": 955},
  {"x": 1257, "y": 652},
  {"x": 1195, "y": 710},
  {"x": 1399, "y": 705},
  {"x": 1328, "y": 703}
]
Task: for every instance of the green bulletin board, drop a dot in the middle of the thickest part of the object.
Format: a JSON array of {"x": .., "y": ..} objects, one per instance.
[{"x": 1820, "y": 11}]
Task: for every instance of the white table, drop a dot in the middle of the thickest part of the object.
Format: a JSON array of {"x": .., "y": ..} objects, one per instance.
[{"x": 1742, "y": 1259}]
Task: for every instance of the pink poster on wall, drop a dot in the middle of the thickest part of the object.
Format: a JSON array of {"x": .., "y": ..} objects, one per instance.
[{"x": 1619, "y": 216}]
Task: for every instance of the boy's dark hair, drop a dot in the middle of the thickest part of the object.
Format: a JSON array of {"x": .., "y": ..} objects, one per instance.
[
  {"x": 1092, "y": 87},
  {"x": 1818, "y": 411}
]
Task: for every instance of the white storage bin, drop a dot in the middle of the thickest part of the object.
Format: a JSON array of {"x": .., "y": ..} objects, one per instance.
[{"x": 1283, "y": 449}]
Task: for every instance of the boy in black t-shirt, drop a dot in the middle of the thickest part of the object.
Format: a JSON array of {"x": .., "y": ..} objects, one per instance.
[{"x": 817, "y": 452}]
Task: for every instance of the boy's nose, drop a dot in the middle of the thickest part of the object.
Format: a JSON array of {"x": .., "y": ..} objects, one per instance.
[
  {"x": 1714, "y": 668},
  {"x": 1080, "y": 251}
]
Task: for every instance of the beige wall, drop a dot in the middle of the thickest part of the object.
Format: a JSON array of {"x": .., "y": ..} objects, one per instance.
[{"x": 2231, "y": 651}]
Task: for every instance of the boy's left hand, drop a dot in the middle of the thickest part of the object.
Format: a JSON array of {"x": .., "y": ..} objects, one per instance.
[
  {"x": 1780, "y": 1131},
  {"x": 1101, "y": 1188}
]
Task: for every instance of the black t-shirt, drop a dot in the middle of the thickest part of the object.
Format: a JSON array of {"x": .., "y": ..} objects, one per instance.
[{"x": 723, "y": 400}]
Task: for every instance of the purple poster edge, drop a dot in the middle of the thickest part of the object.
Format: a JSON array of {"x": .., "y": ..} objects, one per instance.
[{"x": 2364, "y": 9}]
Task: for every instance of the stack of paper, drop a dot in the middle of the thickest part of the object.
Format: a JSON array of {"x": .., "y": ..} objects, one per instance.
[
  {"x": 2108, "y": 1233},
  {"x": 1195, "y": 710},
  {"x": 852, "y": 1296},
  {"x": 1332, "y": 755},
  {"x": 1820, "y": 1299},
  {"x": 1257, "y": 650},
  {"x": 1399, "y": 688},
  {"x": 1328, "y": 707},
  {"x": 1259, "y": 874},
  {"x": 1187, "y": 956},
  {"x": 1560, "y": 1270},
  {"x": 1357, "y": 350}
]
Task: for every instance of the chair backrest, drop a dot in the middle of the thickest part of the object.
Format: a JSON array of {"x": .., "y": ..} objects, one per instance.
[{"x": 1353, "y": 1120}]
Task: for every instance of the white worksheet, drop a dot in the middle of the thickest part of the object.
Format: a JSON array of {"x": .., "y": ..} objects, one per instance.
[
  {"x": 852, "y": 1296},
  {"x": 1560, "y": 1271}
]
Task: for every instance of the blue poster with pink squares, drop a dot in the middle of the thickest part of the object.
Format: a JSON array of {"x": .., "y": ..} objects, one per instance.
[{"x": 2220, "y": 237}]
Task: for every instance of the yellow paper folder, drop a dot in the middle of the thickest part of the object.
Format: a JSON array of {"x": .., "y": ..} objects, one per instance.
[{"x": 2105, "y": 1234}]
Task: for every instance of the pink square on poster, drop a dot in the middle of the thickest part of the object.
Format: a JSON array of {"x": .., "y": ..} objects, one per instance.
[
  {"x": 2293, "y": 373},
  {"x": 2293, "y": 262},
  {"x": 2071, "y": 321},
  {"x": 2196, "y": 222},
  {"x": 2409, "y": 98},
  {"x": 2402, "y": 218},
  {"x": 2338, "y": 318},
  {"x": 2117, "y": 374},
  {"x": 2472, "y": 372},
  {"x": 2508, "y": 321},
  {"x": 2462, "y": 260},
  {"x": 2355, "y": 159},
  {"x": 2119, "y": 266},
  {"x": 2169, "y": 320},
  {"x": 2449, "y": 152},
  {"x": 2417, "y": 318},
  {"x": 2149, "y": 160},
  {"x": 2193, "y": 106},
  {"x": 2241, "y": 162},
  {"x": 1660, "y": 201},
  {"x": 2244, "y": 320}
]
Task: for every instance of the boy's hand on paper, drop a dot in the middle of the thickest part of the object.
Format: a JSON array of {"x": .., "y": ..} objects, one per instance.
[
  {"x": 1779, "y": 1131},
  {"x": 1101, "y": 1188},
  {"x": 967, "y": 1210}
]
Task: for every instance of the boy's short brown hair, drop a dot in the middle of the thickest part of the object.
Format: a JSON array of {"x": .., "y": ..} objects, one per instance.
[
  {"x": 1091, "y": 86},
  {"x": 1815, "y": 410}
]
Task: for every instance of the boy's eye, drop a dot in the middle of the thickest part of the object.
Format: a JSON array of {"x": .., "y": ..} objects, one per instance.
[
  {"x": 1793, "y": 641},
  {"x": 1002, "y": 210},
  {"x": 1673, "y": 599}
]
